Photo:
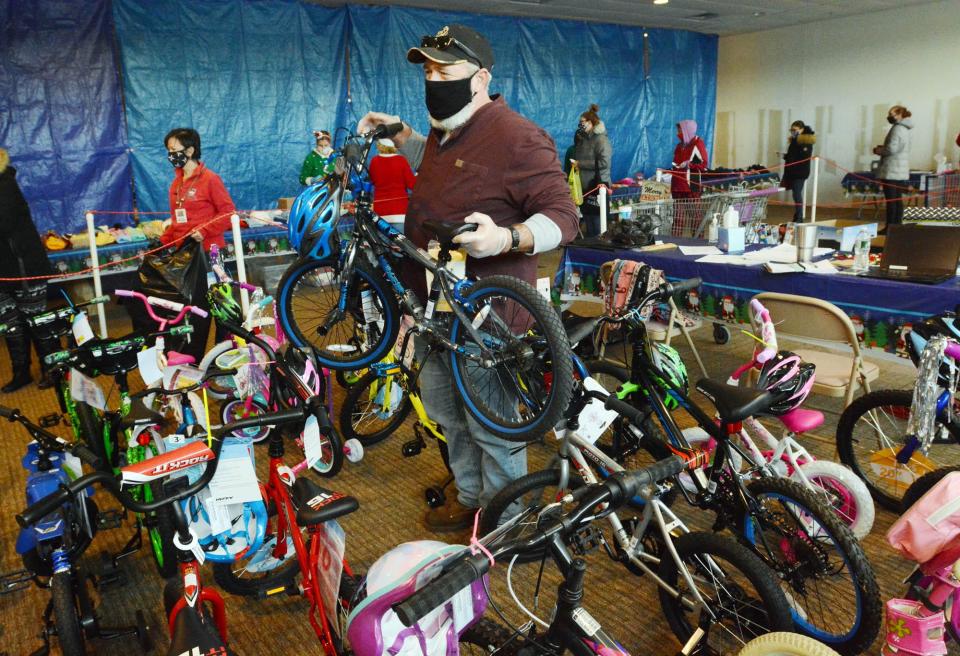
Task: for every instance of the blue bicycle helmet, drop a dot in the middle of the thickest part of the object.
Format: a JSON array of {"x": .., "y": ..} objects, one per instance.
[{"x": 313, "y": 218}]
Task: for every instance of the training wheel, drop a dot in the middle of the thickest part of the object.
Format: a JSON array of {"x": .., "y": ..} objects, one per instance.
[
  {"x": 721, "y": 334},
  {"x": 353, "y": 450}
]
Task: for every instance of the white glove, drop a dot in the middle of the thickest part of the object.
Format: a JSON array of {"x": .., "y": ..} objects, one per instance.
[
  {"x": 309, "y": 181},
  {"x": 487, "y": 240}
]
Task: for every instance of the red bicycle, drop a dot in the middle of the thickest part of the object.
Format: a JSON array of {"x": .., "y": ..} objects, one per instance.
[{"x": 197, "y": 615}]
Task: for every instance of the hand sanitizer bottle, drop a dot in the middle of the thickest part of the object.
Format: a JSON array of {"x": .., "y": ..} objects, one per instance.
[
  {"x": 861, "y": 252},
  {"x": 713, "y": 230}
]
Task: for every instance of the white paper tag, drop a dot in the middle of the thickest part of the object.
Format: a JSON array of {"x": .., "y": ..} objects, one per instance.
[
  {"x": 82, "y": 332},
  {"x": 149, "y": 366},
  {"x": 482, "y": 315},
  {"x": 85, "y": 389},
  {"x": 543, "y": 286},
  {"x": 236, "y": 478},
  {"x": 312, "y": 448},
  {"x": 330, "y": 564},
  {"x": 180, "y": 214},
  {"x": 72, "y": 465},
  {"x": 594, "y": 418}
]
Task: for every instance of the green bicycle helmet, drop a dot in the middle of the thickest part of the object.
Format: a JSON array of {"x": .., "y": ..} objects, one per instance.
[
  {"x": 670, "y": 366},
  {"x": 223, "y": 304}
]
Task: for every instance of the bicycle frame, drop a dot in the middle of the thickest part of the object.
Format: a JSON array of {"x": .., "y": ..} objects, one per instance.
[{"x": 388, "y": 369}]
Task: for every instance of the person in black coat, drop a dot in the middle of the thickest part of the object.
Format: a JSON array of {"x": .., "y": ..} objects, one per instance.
[
  {"x": 22, "y": 255},
  {"x": 797, "y": 159}
]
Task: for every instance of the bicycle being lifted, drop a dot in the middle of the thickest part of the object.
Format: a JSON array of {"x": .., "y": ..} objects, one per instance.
[{"x": 509, "y": 356}]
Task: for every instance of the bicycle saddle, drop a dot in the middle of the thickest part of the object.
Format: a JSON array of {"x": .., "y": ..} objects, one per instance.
[
  {"x": 316, "y": 505},
  {"x": 192, "y": 636},
  {"x": 447, "y": 230},
  {"x": 174, "y": 358},
  {"x": 579, "y": 328},
  {"x": 735, "y": 403},
  {"x": 139, "y": 416}
]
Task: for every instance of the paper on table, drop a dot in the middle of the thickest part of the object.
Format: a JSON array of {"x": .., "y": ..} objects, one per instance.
[
  {"x": 821, "y": 267},
  {"x": 700, "y": 250},
  {"x": 737, "y": 260},
  {"x": 782, "y": 253}
]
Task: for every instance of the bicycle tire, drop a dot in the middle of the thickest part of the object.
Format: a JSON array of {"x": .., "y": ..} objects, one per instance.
[
  {"x": 235, "y": 409},
  {"x": 803, "y": 567},
  {"x": 785, "y": 643},
  {"x": 488, "y": 636},
  {"x": 703, "y": 553},
  {"x": 922, "y": 485},
  {"x": 888, "y": 488},
  {"x": 547, "y": 353},
  {"x": 161, "y": 535},
  {"x": 65, "y": 619},
  {"x": 330, "y": 464},
  {"x": 353, "y": 411},
  {"x": 298, "y": 277},
  {"x": 276, "y": 580},
  {"x": 216, "y": 390},
  {"x": 843, "y": 491}
]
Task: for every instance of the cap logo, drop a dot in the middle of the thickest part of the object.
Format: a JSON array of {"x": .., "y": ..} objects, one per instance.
[{"x": 444, "y": 32}]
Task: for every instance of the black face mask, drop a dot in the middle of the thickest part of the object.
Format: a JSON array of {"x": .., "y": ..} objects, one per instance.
[
  {"x": 444, "y": 99},
  {"x": 178, "y": 159},
  {"x": 581, "y": 131},
  {"x": 891, "y": 120}
]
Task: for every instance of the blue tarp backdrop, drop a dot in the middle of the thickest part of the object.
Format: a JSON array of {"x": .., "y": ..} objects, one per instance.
[
  {"x": 254, "y": 77},
  {"x": 60, "y": 110}
]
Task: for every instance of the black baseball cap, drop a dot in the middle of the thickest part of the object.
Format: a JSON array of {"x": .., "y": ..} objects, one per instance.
[{"x": 454, "y": 44}]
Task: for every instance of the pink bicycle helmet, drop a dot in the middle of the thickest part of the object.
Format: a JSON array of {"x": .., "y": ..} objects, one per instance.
[{"x": 789, "y": 378}]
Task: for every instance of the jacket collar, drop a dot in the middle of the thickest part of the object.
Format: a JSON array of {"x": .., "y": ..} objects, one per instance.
[{"x": 480, "y": 117}]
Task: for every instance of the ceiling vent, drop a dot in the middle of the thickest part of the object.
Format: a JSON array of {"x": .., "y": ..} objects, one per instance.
[{"x": 705, "y": 16}]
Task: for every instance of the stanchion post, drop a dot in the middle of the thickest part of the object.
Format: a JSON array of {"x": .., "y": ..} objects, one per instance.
[
  {"x": 602, "y": 199},
  {"x": 95, "y": 263},
  {"x": 816, "y": 181},
  {"x": 241, "y": 268}
]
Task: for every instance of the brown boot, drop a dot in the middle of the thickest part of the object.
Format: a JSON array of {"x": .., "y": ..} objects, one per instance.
[{"x": 451, "y": 516}]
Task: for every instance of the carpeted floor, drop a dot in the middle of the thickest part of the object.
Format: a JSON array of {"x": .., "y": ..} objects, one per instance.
[{"x": 390, "y": 490}]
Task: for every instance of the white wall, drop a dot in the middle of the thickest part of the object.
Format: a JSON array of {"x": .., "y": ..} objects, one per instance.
[{"x": 841, "y": 76}]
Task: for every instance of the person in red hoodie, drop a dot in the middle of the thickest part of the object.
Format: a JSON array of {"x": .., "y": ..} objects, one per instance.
[
  {"x": 198, "y": 200},
  {"x": 689, "y": 160},
  {"x": 392, "y": 178}
]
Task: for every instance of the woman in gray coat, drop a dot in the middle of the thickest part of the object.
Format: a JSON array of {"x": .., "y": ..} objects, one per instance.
[
  {"x": 593, "y": 157},
  {"x": 894, "y": 170}
]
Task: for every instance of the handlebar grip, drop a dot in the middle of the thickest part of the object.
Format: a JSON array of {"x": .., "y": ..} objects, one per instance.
[
  {"x": 424, "y": 600},
  {"x": 56, "y": 357},
  {"x": 683, "y": 285},
  {"x": 97, "y": 300},
  {"x": 87, "y": 456},
  {"x": 173, "y": 306},
  {"x": 246, "y": 285},
  {"x": 625, "y": 485},
  {"x": 123, "y": 292},
  {"x": 953, "y": 350},
  {"x": 43, "y": 507},
  {"x": 623, "y": 408},
  {"x": 199, "y": 312},
  {"x": 8, "y": 413},
  {"x": 385, "y": 131},
  {"x": 181, "y": 330}
]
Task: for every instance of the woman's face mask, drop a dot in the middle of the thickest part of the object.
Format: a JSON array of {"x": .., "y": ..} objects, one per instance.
[
  {"x": 178, "y": 158},
  {"x": 891, "y": 119}
]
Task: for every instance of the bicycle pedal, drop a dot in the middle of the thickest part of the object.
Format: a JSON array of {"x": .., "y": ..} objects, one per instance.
[
  {"x": 114, "y": 579},
  {"x": 110, "y": 519},
  {"x": 14, "y": 581},
  {"x": 51, "y": 420},
  {"x": 587, "y": 540},
  {"x": 413, "y": 448}
]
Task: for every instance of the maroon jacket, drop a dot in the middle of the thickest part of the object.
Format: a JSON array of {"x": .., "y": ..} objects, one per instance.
[{"x": 501, "y": 164}]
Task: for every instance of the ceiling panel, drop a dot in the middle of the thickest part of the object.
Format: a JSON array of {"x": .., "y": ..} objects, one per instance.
[{"x": 733, "y": 16}]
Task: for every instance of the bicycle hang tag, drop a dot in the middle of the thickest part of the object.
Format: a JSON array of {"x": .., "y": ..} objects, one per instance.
[
  {"x": 594, "y": 419},
  {"x": 148, "y": 362},
  {"x": 85, "y": 389},
  {"x": 312, "y": 448},
  {"x": 236, "y": 477},
  {"x": 330, "y": 564},
  {"x": 82, "y": 332}
]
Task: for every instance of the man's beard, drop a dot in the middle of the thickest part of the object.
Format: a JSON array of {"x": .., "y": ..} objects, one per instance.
[{"x": 451, "y": 123}]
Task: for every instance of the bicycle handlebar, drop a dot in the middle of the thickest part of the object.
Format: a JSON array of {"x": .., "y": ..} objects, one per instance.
[
  {"x": 614, "y": 490},
  {"x": 149, "y": 302},
  {"x": 768, "y": 333},
  {"x": 50, "y": 441},
  {"x": 64, "y": 493},
  {"x": 71, "y": 355}
]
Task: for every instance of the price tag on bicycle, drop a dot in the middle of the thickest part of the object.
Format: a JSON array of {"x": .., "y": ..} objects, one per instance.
[
  {"x": 82, "y": 332},
  {"x": 594, "y": 418},
  {"x": 312, "y": 448},
  {"x": 85, "y": 389},
  {"x": 236, "y": 477},
  {"x": 330, "y": 564}
]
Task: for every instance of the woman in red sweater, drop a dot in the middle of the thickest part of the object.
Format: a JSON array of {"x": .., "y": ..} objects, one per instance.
[{"x": 392, "y": 179}]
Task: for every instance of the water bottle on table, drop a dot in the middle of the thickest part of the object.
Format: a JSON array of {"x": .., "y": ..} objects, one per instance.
[{"x": 861, "y": 252}]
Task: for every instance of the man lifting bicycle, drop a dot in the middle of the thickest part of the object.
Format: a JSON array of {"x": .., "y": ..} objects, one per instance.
[{"x": 481, "y": 163}]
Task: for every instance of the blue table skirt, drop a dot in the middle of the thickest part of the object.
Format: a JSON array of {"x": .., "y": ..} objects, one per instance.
[{"x": 881, "y": 310}]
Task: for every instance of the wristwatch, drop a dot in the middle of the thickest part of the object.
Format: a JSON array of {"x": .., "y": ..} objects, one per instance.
[{"x": 514, "y": 240}]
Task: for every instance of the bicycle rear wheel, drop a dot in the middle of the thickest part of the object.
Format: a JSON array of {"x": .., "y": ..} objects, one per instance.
[
  {"x": 825, "y": 574},
  {"x": 739, "y": 590},
  {"x": 526, "y": 394},
  {"x": 348, "y": 338},
  {"x": 485, "y": 637}
]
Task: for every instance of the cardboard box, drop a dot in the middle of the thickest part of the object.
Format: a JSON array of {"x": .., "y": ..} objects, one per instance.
[
  {"x": 844, "y": 231},
  {"x": 732, "y": 240},
  {"x": 284, "y": 203}
]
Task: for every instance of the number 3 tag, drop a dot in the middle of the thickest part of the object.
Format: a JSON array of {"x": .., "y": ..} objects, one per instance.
[{"x": 180, "y": 214}]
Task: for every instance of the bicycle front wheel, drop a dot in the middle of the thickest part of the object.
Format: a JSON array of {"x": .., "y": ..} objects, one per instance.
[
  {"x": 829, "y": 583},
  {"x": 346, "y": 333},
  {"x": 374, "y": 408},
  {"x": 526, "y": 393},
  {"x": 66, "y": 618},
  {"x": 743, "y": 595},
  {"x": 871, "y": 433}
]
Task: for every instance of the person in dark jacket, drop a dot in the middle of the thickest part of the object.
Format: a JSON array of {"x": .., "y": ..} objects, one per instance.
[
  {"x": 21, "y": 256},
  {"x": 797, "y": 160},
  {"x": 593, "y": 157}
]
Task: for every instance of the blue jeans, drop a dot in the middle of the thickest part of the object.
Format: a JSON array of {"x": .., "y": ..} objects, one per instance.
[{"x": 482, "y": 463}]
